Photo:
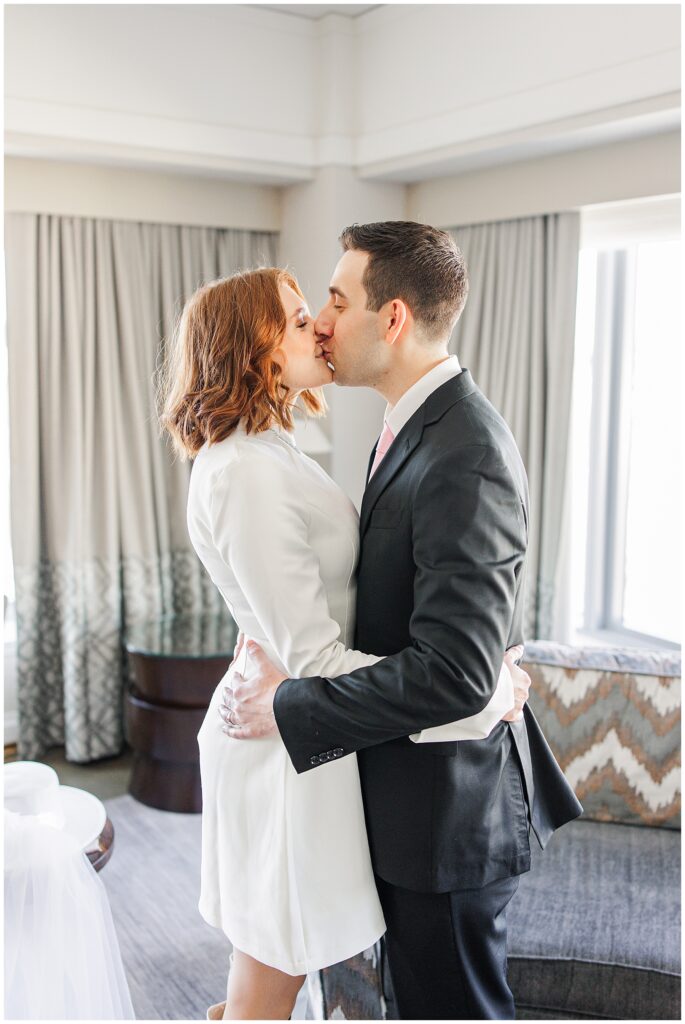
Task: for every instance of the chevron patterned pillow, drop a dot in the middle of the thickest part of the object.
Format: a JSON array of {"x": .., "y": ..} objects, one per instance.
[{"x": 612, "y": 718}]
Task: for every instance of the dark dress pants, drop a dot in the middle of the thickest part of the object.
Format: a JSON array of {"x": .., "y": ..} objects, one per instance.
[{"x": 447, "y": 952}]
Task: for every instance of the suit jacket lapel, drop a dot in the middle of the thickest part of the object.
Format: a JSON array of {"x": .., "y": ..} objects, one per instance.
[
  {"x": 398, "y": 453},
  {"x": 368, "y": 468},
  {"x": 409, "y": 438}
]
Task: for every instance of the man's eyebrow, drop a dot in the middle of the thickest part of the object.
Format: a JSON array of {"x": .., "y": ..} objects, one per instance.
[{"x": 336, "y": 291}]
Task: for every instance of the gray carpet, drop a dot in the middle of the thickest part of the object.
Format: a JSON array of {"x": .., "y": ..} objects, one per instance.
[{"x": 176, "y": 964}]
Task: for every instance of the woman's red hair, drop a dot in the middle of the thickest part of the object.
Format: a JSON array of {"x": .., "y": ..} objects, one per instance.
[{"x": 221, "y": 368}]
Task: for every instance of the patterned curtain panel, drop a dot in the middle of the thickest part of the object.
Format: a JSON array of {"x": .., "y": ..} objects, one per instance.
[
  {"x": 516, "y": 335},
  {"x": 98, "y": 501}
]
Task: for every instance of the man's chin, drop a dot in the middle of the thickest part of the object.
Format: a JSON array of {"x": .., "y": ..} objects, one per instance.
[{"x": 343, "y": 381}]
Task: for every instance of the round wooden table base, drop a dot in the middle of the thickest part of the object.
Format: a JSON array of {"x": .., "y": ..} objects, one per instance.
[
  {"x": 99, "y": 857},
  {"x": 164, "y": 713},
  {"x": 166, "y": 785}
]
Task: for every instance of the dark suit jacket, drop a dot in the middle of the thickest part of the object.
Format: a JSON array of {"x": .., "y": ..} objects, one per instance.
[{"x": 444, "y": 532}]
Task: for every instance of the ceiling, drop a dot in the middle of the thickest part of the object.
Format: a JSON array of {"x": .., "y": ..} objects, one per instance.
[{"x": 316, "y": 11}]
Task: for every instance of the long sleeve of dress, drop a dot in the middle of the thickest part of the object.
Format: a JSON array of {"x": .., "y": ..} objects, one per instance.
[{"x": 260, "y": 524}]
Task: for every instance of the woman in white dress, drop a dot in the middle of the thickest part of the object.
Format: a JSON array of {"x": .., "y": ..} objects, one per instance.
[{"x": 286, "y": 871}]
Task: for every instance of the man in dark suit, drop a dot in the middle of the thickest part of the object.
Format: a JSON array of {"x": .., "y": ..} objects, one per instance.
[{"x": 440, "y": 591}]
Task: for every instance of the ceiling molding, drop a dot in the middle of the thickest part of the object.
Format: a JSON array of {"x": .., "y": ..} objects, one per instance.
[
  {"x": 520, "y": 116},
  {"x": 600, "y": 127},
  {"x": 272, "y": 159},
  {"x": 316, "y": 12}
]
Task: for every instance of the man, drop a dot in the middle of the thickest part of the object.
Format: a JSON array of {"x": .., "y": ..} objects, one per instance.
[{"x": 444, "y": 531}]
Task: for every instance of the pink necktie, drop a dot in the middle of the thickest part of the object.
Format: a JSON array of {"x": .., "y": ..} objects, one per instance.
[{"x": 384, "y": 442}]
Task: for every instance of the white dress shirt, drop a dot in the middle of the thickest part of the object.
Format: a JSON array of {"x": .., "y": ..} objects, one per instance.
[
  {"x": 397, "y": 415},
  {"x": 476, "y": 726}
]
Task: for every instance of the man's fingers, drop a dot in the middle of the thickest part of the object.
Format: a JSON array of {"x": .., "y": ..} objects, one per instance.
[
  {"x": 228, "y": 691},
  {"x": 244, "y": 732},
  {"x": 257, "y": 654},
  {"x": 228, "y": 714},
  {"x": 237, "y": 732}
]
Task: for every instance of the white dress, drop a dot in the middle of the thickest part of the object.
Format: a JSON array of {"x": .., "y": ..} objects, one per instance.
[{"x": 286, "y": 870}]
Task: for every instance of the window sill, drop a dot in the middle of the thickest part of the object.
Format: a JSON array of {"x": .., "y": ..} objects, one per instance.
[{"x": 623, "y": 638}]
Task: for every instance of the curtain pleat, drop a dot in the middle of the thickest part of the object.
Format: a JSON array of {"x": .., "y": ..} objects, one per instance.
[
  {"x": 99, "y": 537},
  {"x": 516, "y": 335}
]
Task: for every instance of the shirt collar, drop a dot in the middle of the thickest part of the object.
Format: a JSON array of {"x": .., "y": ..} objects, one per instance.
[{"x": 413, "y": 398}]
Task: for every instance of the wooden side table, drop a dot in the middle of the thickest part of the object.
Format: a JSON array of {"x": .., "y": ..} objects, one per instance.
[{"x": 177, "y": 664}]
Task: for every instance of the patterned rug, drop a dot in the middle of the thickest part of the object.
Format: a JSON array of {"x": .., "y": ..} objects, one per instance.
[{"x": 176, "y": 964}]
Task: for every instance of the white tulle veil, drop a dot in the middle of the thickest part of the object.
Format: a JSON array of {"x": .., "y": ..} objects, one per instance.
[{"x": 62, "y": 959}]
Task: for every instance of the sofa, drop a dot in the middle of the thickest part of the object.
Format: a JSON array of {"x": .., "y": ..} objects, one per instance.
[{"x": 594, "y": 930}]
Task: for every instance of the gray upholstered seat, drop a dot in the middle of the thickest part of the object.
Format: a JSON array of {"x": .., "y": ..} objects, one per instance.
[{"x": 594, "y": 930}]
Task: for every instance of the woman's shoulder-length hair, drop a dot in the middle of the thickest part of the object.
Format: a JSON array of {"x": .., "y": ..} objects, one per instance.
[{"x": 220, "y": 370}]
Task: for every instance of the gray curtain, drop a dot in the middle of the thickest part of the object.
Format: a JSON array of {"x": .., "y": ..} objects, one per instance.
[
  {"x": 99, "y": 537},
  {"x": 516, "y": 336}
]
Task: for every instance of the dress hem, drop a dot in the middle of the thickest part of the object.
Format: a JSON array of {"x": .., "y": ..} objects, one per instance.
[{"x": 298, "y": 967}]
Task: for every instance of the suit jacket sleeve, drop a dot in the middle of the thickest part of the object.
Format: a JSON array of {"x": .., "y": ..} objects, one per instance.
[{"x": 469, "y": 541}]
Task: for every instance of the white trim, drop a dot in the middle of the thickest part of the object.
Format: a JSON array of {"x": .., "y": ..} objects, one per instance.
[
  {"x": 624, "y": 638},
  {"x": 656, "y": 218},
  {"x": 54, "y": 129},
  {"x": 114, "y": 193}
]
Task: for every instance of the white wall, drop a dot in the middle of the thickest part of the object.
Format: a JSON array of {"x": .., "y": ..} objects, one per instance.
[
  {"x": 600, "y": 174},
  {"x": 117, "y": 193},
  {"x": 194, "y": 85},
  {"x": 313, "y": 215},
  {"x": 402, "y": 91},
  {"x": 440, "y": 77}
]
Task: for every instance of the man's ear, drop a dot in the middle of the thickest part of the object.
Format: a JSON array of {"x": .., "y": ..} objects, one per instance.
[{"x": 395, "y": 316}]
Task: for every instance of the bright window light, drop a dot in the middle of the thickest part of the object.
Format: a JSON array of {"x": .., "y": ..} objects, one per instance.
[
  {"x": 626, "y": 443},
  {"x": 652, "y": 599}
]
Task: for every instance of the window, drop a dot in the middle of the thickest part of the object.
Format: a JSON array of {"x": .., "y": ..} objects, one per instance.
[
  {"x": 5, "y": 539},
  {"x": 626, "y": 430}
]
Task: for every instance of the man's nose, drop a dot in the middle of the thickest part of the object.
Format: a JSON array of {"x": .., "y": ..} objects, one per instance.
[{"x": 323, "y": 327}]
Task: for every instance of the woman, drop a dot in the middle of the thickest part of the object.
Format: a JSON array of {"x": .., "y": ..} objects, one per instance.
[{"x": 286, "y": 870}]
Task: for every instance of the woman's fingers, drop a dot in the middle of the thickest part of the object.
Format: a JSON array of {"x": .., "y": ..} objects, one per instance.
[
  {"x": 521, "y": 681},
  {"x": 513, "y": 654}
]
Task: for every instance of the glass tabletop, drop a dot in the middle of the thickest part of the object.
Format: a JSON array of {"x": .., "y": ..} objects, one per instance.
[{"x": 191, "y": 635}]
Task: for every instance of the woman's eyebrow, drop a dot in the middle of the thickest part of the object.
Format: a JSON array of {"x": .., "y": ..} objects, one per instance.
[{"x": 299, "y": 312}]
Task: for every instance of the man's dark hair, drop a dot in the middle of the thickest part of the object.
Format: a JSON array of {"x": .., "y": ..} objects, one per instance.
[{"x": 416, "y": 263}]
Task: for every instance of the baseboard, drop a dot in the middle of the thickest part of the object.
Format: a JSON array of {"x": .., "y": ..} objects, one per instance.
[{"x": 11, "y": 727}]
